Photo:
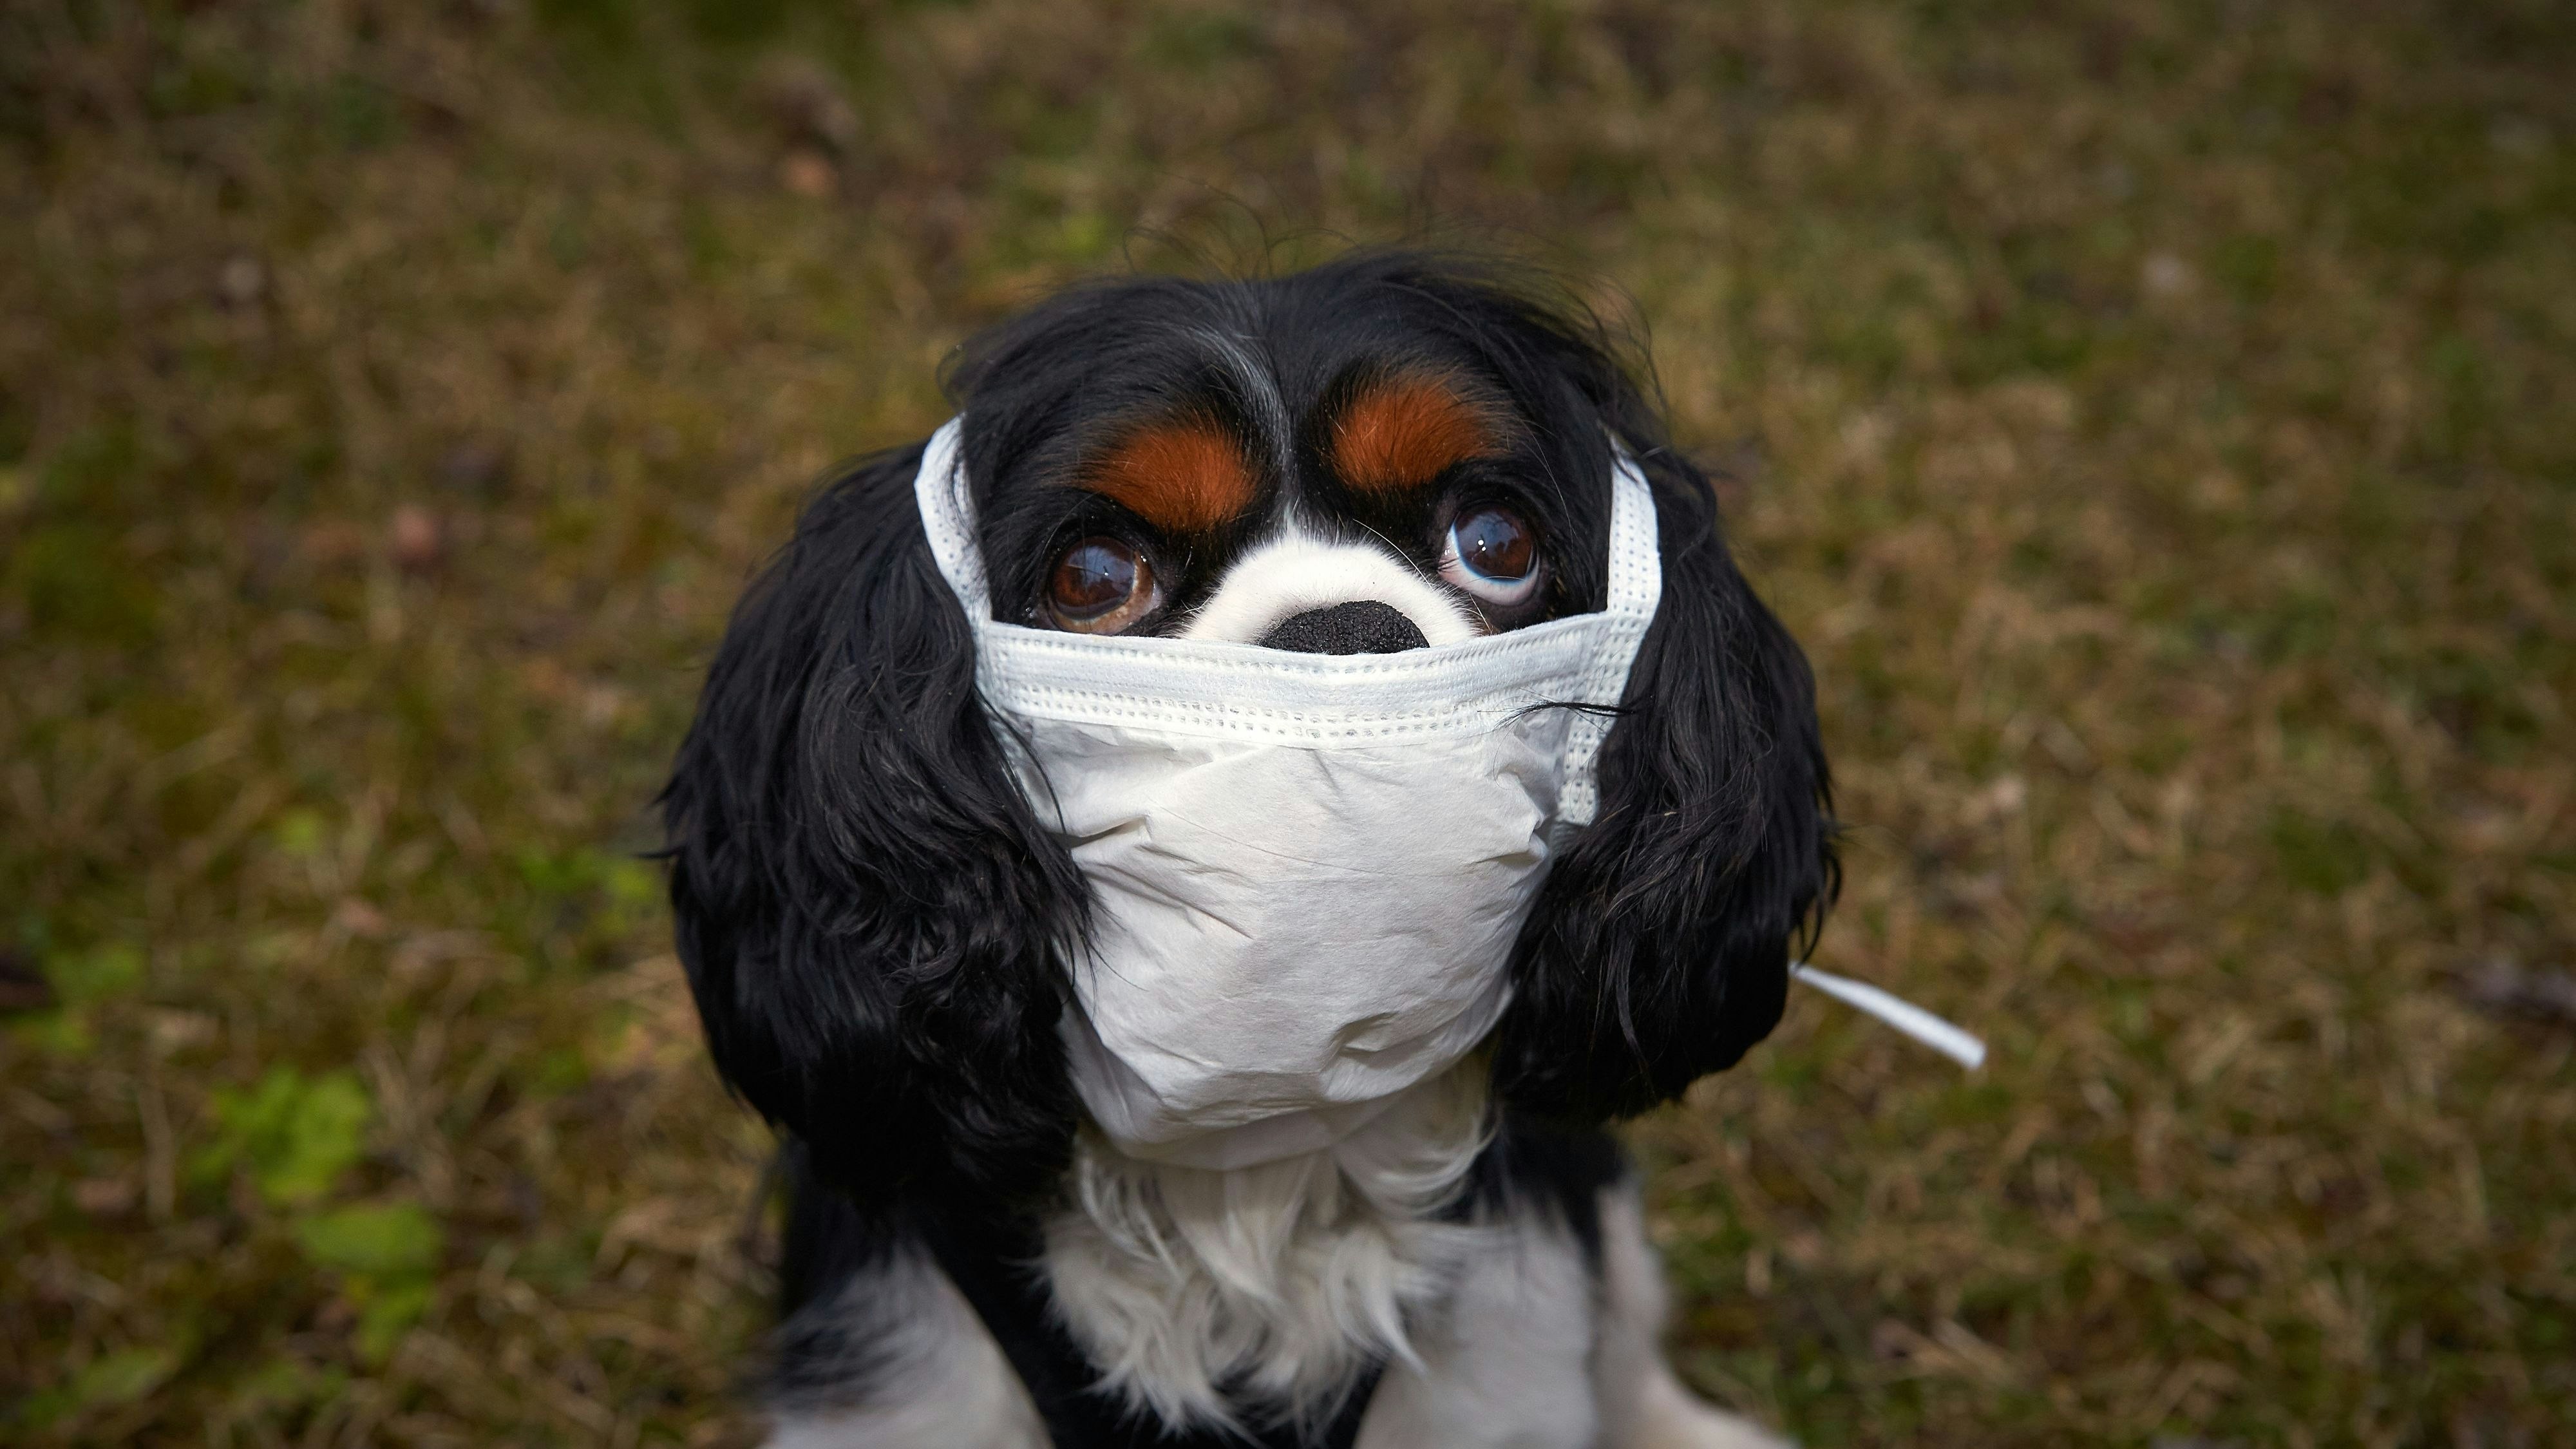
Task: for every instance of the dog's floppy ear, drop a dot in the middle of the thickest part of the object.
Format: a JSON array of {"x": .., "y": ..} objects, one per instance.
[
  {"x": 866, "y": 906},
  {"x": 1658, "y": 950}
]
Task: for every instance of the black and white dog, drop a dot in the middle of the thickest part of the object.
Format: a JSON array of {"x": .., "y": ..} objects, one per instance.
[{"x": 1386, "y": 450}]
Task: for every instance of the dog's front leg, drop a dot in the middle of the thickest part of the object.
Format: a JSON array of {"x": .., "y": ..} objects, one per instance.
[{"x": 1643, "y": 1406}]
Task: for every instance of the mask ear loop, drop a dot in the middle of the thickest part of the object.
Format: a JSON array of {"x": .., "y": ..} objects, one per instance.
[
  {"x": 1908, "y": 1018},
  {"x": 1635, "y": 591}
]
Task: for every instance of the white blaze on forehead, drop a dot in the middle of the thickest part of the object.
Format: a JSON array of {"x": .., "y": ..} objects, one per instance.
[{"x": 1288, "y": 576}]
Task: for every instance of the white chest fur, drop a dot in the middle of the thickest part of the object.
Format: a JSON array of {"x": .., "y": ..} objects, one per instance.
[{"x": 1276, "y": 1281}]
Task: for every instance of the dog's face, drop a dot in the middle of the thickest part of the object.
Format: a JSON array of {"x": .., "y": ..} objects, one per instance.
[
  {"x": 1331, "y": 473},
  {"x": 1382, "y": 454}
]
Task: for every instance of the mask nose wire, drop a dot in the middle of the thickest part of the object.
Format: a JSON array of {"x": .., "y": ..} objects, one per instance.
[{"x": 1935, "y": 1032}]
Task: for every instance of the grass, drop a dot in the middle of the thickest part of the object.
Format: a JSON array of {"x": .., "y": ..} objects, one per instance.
[{"x": 2154, "y": 418}]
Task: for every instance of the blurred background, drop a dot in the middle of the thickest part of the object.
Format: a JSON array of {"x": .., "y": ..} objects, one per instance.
[{"x": 2158, "y": 421}]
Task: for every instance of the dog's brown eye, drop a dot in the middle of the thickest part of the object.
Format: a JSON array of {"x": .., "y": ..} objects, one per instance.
[
  {"x": 1100, "y": 586},
  {"x": 1492, "y": 554}
]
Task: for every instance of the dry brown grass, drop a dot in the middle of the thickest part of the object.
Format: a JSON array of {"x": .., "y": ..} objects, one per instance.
[{"x": 2153, "y": 418}]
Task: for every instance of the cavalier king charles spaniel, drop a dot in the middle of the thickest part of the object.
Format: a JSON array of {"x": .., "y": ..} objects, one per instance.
[{"x": 1386, "y": 453}]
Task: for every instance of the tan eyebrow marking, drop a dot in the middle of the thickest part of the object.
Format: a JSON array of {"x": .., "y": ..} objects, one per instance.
[
  {"x": 1182, "y": 475},
  {"x": 1405, "y": 432}
]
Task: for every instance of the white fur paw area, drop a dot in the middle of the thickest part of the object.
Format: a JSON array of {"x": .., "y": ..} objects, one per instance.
[{"x": 1671, "y": 1417}]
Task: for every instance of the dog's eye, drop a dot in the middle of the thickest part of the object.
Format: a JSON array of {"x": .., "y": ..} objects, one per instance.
[
  {"x": 1100, "y": 586},
  {"x": 1492, "y": 554}
]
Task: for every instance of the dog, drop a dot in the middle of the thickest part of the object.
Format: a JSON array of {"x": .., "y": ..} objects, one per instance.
[{"x": 1388, "y": 452}]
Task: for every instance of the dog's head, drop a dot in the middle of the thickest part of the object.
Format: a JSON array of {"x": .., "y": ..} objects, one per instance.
[{"x": 1376, "y": 455}]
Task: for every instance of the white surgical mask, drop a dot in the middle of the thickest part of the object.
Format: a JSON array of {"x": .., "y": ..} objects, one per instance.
[{"x": 1307, "y": 870}]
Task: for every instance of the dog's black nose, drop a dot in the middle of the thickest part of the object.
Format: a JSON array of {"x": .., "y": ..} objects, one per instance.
[{"x": 1363, "y": 626}]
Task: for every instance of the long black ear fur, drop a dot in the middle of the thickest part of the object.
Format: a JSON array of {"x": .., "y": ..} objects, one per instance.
[
  {"x": 1658, "y": 950},
  {"x": 866, "y": 906}
]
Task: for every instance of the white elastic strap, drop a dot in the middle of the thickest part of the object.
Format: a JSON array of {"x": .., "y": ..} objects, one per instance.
[
  {"x": 948, "y": 519},
  {"x": 1636, "y": 588},
  {"x": 1897, "y": 1012}
]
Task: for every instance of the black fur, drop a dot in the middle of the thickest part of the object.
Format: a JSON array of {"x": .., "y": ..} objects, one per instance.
[
  {"x": 870, "y": 915},
  {"x": 865, "y": 904}
]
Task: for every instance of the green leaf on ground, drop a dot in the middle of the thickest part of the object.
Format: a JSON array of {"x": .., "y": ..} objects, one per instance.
[
  {"x": 296, "y": 1135},
  {"x": 389, "y": 1254},
  {"x": 102, "y": 972},
  {"x": 387, "y": 1241},
  {"x": 118, "y": 1377}
]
